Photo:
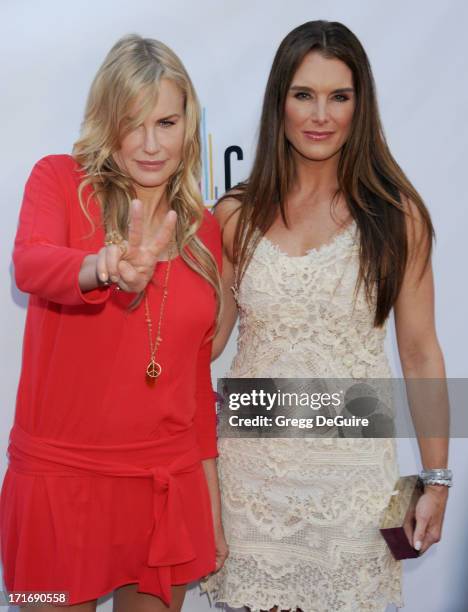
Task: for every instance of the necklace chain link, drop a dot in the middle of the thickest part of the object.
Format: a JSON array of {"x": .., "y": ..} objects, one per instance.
[{"x": 154, "y": 369}]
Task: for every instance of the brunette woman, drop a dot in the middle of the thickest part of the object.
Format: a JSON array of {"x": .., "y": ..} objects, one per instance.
[{"x": 325, "y": 238}]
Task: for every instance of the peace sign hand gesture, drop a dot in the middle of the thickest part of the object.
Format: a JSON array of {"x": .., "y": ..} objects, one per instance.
[{"x": 131, "y": 263}]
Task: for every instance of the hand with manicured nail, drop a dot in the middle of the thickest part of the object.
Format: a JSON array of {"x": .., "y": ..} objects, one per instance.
[
  {"x": 429, "y": 514},
  {"x": 131, "y": 264}
]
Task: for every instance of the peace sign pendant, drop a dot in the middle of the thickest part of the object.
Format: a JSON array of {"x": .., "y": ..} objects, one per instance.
[{"x": 153, "y": 371}]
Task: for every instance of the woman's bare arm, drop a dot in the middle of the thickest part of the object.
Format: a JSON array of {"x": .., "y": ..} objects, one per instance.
[
  {"x": 227, "y": 215},
  {"x": 421, "y": 359}
]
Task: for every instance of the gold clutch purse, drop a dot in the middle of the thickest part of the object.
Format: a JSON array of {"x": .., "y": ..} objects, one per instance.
[{"x": 398, "y": 520}]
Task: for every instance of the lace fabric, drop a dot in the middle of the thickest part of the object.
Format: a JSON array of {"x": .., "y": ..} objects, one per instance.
[{"x": 301, "y": 515}]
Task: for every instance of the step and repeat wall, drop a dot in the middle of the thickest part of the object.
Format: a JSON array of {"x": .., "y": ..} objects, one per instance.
[{"x": 50, "y": 52}]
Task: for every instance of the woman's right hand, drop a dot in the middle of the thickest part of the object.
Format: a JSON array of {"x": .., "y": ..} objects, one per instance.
[
  {"x": 132, "y": 266},
  {"x": 222, "y": 549}
]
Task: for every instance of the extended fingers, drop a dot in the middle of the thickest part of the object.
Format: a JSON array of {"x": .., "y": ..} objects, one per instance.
[
  {"x": 135, "y": 225},
  {"x": 164, "y": 234}
]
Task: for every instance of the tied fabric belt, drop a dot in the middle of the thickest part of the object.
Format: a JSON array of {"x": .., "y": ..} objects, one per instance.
[{"x": 170, "y": 543}]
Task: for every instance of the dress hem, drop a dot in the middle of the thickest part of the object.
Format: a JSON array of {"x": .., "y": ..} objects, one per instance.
[
  {"x": 110, "y": 590},
  {"x": 282, "y": 605}
]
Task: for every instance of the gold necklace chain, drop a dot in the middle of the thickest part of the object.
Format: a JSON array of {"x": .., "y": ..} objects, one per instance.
[{"x": 154, "y": 369}]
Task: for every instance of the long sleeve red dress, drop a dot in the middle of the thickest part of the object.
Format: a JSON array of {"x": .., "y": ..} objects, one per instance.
[{"x": 105, "y": 484}]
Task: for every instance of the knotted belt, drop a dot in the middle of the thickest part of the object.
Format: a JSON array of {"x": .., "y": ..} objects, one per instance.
[{"x": 161, "y": 460}]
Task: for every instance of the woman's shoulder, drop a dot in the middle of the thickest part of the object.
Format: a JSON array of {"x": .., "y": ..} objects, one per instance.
[
  {"x": 209, "y": 223},
  {"x": 226, "y": 212},
  {"x": 59, "y": 167},
  {"x": 59, "y": 161},
  {"x": 227, "y": 209},
  {"x": 209, "y": 231}
]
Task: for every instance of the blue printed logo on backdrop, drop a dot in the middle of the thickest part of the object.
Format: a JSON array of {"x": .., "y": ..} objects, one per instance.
[{"x": 210, "y": 190}]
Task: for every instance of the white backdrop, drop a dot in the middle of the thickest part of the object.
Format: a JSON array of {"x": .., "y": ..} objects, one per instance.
[{"x": 50, "y": 51}]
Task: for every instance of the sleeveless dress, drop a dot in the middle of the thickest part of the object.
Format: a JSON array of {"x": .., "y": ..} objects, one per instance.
[{"x": 301, "y": 515}]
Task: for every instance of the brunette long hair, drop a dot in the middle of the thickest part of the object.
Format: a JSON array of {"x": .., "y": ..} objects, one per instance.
[{"x": 376, "y": 190}]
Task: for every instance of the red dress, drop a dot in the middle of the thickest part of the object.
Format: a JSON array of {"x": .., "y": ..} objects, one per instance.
[{"x": 105, "y": 484}]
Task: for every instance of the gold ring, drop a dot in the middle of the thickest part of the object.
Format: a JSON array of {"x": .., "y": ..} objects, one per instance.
[{"x": 113, "y": 237}]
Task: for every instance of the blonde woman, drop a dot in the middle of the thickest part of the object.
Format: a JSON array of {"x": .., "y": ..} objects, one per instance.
[{"x": 111, "y": 483}]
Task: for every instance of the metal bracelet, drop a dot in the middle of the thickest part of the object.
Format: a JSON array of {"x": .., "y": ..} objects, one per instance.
[
  {"x": 443, "y": 473},
  {"x": 438, "y": 481}
]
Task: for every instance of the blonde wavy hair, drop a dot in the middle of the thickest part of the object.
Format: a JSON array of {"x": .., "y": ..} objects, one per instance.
[{"x": 135, "y": 65}]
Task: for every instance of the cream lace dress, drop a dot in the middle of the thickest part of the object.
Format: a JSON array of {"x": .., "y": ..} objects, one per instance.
[{"x": 301, "y": 515}]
